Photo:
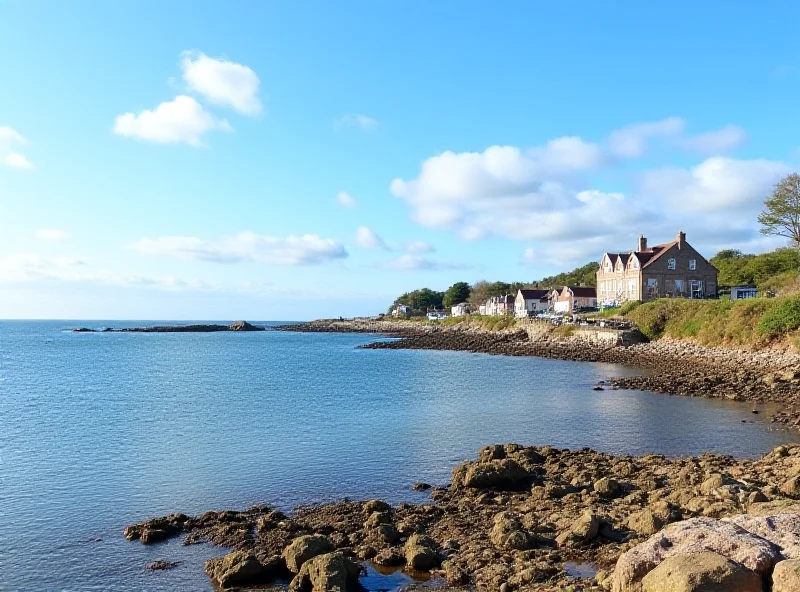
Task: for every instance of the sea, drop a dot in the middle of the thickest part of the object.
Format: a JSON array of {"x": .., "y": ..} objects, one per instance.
[{"x": 101, "y": 430}]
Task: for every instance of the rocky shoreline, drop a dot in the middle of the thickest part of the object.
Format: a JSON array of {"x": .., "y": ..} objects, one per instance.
[
  {"x": 678, "y": 368},
  {"x": 511, "y": 519}
]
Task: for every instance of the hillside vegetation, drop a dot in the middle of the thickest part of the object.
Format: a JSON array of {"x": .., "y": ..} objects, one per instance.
[{"x": 753, "y": 323}]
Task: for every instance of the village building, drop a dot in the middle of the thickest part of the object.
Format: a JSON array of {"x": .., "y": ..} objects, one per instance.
[
  {"x": 460, "y": 310},
  {"x": 401, "y": 309},
  {"x": 743, "y": 292},
  {"x": 573, "y": 298},
  {"x": 669, "y": 270},
  {"x": 529, "y": 302},
  {"x": 499, "y": 305}
]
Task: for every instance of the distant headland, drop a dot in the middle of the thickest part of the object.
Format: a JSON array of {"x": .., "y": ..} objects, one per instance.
[{"x": 236, "y": 326}]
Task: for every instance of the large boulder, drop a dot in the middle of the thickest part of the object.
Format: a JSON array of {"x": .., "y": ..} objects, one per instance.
[
  {"x": 503, "y": 474},
  {"x": 304, "y": 548},
  {"x": 782, "y": 530},
  {"x": 705, "y": 571},
  {"x": 786, "y": 577},
  {"x": 693, "y": 536},
  {"x": 238, "y": 568},
  {"x": 421, "y": 553},
  {"x": 507, "y": 533},
  {"x": 330, "y": 572}
]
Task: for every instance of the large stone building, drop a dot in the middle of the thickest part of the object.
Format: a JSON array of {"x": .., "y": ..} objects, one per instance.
[{"x": 669, "y": 270}]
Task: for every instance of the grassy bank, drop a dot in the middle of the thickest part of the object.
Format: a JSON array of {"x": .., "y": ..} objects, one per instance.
[
  {"x": 490, "y": 323},
  {"x": 754, "y": 323}
]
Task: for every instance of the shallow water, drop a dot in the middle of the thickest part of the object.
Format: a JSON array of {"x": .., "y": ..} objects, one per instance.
[{"x": 101, "y": 430}]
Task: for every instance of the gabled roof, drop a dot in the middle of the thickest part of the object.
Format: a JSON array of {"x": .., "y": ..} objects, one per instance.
[
  {"x": 658, "y": 251},
  {"x": 533, "y": 294}
]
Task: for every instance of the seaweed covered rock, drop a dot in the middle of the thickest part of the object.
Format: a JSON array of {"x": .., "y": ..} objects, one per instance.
[
  {"x": 304, "y": 548},
  {"x": 330, "y": 572}
]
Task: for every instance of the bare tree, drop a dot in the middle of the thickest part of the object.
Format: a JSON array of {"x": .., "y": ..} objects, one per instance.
[{"x": 781, "y": 215}]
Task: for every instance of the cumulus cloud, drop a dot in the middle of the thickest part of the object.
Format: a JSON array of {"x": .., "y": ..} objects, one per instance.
[
  {"x": 357, "y": 120},
  {"x": 410, "y": 262},
  {"x": 307, "y": 249},
  {"x": 369, "y": 239},
  {"x": 52, "y": 234},
  {"x": 10, "y": 139},
  {"x": 716, "y": 184},
  {"x": 346, "y": 200},
  {"x": 222, "y": 82},
  {"x": 181, "y": 120}
]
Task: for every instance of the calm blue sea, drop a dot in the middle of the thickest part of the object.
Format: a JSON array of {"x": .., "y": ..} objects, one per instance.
[{"x": 101, "y": 430}]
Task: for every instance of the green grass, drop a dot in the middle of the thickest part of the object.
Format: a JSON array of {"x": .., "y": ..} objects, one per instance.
[
  {"x": 746, "y": 323},
  {"x": 491, "y": 323}
]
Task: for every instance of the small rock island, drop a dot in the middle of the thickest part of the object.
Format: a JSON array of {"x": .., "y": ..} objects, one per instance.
[{"x": 236, "y": 326}]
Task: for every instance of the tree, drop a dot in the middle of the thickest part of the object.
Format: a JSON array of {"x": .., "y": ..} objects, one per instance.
[
  {"x": 456, "y": 294},
  {"x": 481, "y": 291},
  {"x": 781, "y": 215},
  {"x": 421, "y": 299}
]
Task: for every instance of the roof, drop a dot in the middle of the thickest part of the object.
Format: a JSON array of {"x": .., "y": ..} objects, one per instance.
[
  {"x": 658, "y": 251},
  {"x": 645, "y": 257},
  {"x": 583, "y": 291},
  {"x": 534, "y": 294}
]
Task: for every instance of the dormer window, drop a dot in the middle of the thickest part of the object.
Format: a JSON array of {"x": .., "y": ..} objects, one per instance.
[
  {"x": 671, "y": 263},
  {"x": 692, "y": 264},
  {"x": 634, "y": 264}
]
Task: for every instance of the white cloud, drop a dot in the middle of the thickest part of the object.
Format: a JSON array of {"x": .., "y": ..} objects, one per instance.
[
  {"x": 346, "y": 200},
  {"x": 419, "y": 248},
  {"x": 222, "y": 82},
  {"x": 716, "y": 184},
  {"x": 368, "y": 239},
  {"x": 716, "y": 142},
  {"x": 182, "y": 120},
  {"x": 409, "y": 262},
  {"x": 308, "y": 249},
  {"x": 631, "y": 141},
  {"x": 9, "y": 138},
  {"x": 52, "y": 234},
  {"x": 359, "y": 120}
]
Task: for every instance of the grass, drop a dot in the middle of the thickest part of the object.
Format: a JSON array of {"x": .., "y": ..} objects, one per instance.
[
  {"x": 492, "y": 323},
  {"x": 754, "y": 323}
]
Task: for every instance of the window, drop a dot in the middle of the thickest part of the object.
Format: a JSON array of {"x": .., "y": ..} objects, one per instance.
[
  {"x": 652, "y": 287},
  {"x": 631, "y": 288},
  {"x": 692, "y": 264},
  {"x": 671, "y": 263},
  {"x": 679, "y": 287}
]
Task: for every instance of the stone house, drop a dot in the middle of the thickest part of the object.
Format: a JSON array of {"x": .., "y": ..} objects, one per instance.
[
  {"x": 669, "y": 270},
  {"x": 529, "y": 301},
  {"x": 499, "y": 305},
  {"x": 460, "y": 310},
  {"x": 572, "y": 298}
]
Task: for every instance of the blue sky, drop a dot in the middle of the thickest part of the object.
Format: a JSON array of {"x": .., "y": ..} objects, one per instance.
[{"x": 291, "y": 160}]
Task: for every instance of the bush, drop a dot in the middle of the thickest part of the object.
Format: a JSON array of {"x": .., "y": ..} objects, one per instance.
[
  {"x": 781, "y": 319},
  {"x": 629, "y": 307}
]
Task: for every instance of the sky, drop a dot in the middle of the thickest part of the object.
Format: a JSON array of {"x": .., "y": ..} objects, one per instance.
[{"x": 273, "y": 160}]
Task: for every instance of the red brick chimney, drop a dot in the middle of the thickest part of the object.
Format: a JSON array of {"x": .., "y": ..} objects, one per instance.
[
  {"x": 642, "y": 246},
  {"x": 681, "y": 238}
]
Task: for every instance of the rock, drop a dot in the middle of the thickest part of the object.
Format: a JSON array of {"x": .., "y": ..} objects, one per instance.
[
  {"x": 330, "y": 572},
  {"x": 644, "y": 522},
  {"x": 583, "y": 530},
  {"x": 377, "y": 518},
  {"x": 421, "y": 553},
  {"x": 781, "y": 506},
  {"x": 454, "y": 575},
  {"x": 421, "y": 486},
  {"x": 791, "y": 487},
  {"x": 705, "y": 571},
  {"x": 243, "y": 326},
  {"x": 390, "y": 556},
  {"x": 162, "y": 565},
  {"x": 711, "y": 484},
  {"x": 786, "y": 576},
  {"x": 507, "y": 533},
  {"x": 236, "y": 568},
  {"x": 304, "y": 548},
  {"x": 782, "y": 530},
  {"x": 153, "y": 535},
  {"x": 694, "y": 535},
  {"x": 607, "y": 487},
  {"x": 503, "y": 474},
  {"x": 373, "y": 506}
]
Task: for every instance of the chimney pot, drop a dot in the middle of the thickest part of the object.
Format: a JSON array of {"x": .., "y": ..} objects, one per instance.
[{"x": 642, "y": 244}]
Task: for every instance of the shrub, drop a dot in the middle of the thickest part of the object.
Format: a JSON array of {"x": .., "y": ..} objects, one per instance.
[
  {"x": 629, "y": 307},
  {"x": 781, "y": 319}
]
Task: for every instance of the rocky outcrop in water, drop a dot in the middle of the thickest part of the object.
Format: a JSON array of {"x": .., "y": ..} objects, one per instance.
[
  {"x": 236, "y": 326},
  {"x": 518, "y": 530}
]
